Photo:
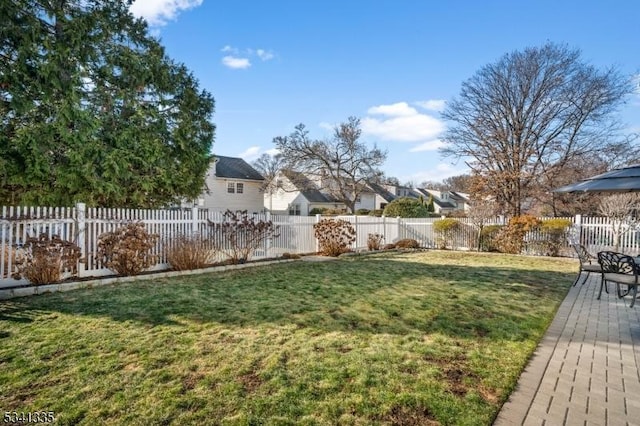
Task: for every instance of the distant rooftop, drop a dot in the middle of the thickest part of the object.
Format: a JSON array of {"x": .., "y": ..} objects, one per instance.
[{"x": 235, "y": 168}]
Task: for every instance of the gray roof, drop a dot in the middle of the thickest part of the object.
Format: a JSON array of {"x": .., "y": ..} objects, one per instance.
[
  {"x": 307, "y": 188},
  {"x": 235, "y": 168},
  {"x": 381, "y": 191},
  {"x": 459, "y": 196},
  {"x": 440, "y": 203}
]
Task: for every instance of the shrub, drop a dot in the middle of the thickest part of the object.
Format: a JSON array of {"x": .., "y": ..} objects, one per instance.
[
  {"x": 374, "y": 241},
  {"x": 376, "y": 212},
  {"x": 334, "y": 236},
  {"x": 317, "y": 210},
  {"x": 554, "y": 233},
  {"x": 43, "y": 260},
  {"x": 510, "y": 239},
  {"x": 334, "y": 212},
  {"x": 190, "y": 252},
  {"x": 127, "y": 250},
  {"x": 446, "y": 229},
  {"x": 488, "y": 237},
  {"x": 406, "y": 207},
  {"x": 363, "y": 212},
  {"x": 243, "y": 234},
  {"x": 389, "y": 246},
  {"x": 287, "y": 255},
  {"x": 407, "y": 243}
]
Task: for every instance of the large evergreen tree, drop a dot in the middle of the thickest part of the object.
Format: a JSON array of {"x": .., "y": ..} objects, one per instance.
[{"x": 92, "y": 110}]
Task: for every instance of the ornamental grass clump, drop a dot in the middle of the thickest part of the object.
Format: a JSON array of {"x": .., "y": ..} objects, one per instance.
[
  {"x": 44, "y": 260},
  {"x": 334, "y": 236},
  {"x": 407, "y": 243},
  {"x": 127, "y": 250},
  {"x": 190, "y": 252}
]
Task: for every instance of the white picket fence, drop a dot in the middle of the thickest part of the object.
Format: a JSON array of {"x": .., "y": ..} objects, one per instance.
[{"x": 295, "y": 233}]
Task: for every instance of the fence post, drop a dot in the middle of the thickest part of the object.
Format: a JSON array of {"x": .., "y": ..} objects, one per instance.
[
  {"x": 81, "y": 240},
  {"x": 384, "y": 229},
  {"x": 318, "y": 218},
  {"x": 400, "y": 236},
  {"x": 194, "y": 220},
  {"x": 355, "y": 223},
  {"x": 577, "y": 222},
  {"x": 267, "y": 248}
]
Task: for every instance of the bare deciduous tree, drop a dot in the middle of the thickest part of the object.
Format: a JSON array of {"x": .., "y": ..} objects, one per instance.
[
  {"x": 529, "y": 115},
  {"x": 269, "y": 166},
  {"x": 341, "y": 166},
  {"x": 622, "y": 210}
]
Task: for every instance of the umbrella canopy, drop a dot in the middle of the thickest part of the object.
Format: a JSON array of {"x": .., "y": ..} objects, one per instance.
[{"x": 626, "y": 179}]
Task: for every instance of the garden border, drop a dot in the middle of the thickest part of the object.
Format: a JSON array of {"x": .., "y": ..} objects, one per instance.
[{"x": 32, "y": 290}]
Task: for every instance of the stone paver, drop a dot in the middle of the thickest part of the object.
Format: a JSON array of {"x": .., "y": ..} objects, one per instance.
[{"x": 586, "y": 369}]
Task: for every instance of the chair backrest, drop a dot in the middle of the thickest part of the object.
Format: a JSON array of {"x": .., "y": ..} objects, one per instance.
[
  {"x": 584, "y": 256},
  {"x": 612, "y": 262}
]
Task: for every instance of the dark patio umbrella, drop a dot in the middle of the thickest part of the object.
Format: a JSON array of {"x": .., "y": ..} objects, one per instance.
[{"x": 626, "y": 179}]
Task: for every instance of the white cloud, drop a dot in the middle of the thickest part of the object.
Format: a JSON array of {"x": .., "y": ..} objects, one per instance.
[
  {"x": 159, "y": 12},
  {"x": 441, "y": 171},
  {"x": 326, "y": 126},
  {"x": 236, "y": 63},
  {"x": 250, "y": 153},
  {"x": 433, "y": 145},
  {"x": 432, "y": 104},
  {"x": 241, "y": 59},
  {"x": 413, "y": 128},
  {"x": 264, "y": 55},
  {"x": 399, "y": 109},
  {"x": 254, "y": 152}
]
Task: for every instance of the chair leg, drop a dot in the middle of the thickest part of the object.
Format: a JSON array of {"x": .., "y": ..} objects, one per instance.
[
  {"x": 603, "y": 283},
  {"x": 585, "y": 277},
  {"x": 634, "y": 295},
  {"x": 622, "y": 293},
  {"x": 577, "y": 278}
]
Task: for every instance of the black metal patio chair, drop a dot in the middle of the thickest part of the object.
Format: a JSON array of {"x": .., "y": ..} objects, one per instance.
[
  {"x": 588, "y": 263},
  {"x": 622, "y": 270}
]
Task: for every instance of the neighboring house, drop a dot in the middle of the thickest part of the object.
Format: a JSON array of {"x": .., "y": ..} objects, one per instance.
[
  {"x": 443, "y": 201},
  {"x": 298, "y": 195},
  {"x": 382, "y": 194},
  {"x": 232, "y": 184},
  {"x": 461, "y": 200}
]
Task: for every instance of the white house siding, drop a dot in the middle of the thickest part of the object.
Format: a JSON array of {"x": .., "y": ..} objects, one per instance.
[
  {"x": 367, "y": 201},
  {"x": 380, "y": 202},
  {"x": 279, "y": 201},
  {"x": 218, "y": 199}
]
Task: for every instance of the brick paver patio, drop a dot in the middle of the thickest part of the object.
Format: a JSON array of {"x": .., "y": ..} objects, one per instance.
[{"x": 585, "y": 370}]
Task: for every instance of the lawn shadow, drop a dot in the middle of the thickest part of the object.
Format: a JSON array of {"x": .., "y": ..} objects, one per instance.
[{"x": 360, "y": 295}]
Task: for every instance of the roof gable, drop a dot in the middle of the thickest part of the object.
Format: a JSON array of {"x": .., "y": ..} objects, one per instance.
[{"x": 235, "y": 168}]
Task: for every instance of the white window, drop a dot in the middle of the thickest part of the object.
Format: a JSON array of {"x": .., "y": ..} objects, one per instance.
[
  {"x": 294, "y": 209},
  {"x": 231, "y": 187},
  {"x": 239, "y": 188}
]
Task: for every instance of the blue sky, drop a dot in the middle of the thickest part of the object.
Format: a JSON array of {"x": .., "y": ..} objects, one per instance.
[{"x": 393, "y": 63}]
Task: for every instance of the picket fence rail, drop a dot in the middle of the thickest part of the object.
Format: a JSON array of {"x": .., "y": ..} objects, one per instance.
[{"x": 83, "y": 226}]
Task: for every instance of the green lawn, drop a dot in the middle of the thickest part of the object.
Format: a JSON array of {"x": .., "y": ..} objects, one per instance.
[{"x": 407, "y": 339}]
